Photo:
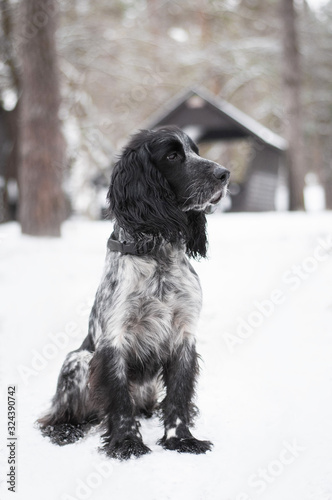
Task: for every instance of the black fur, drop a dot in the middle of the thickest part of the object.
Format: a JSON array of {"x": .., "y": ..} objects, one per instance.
[
  {"x": 149, "y": 195},
  {"x": 142, "y": 325}
]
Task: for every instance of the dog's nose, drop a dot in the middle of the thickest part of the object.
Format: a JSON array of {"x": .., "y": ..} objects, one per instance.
[{"x": 222, "y": 174}]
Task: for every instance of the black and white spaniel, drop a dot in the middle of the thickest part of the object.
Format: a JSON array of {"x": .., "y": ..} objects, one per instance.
[{"x": 141, "y": 340}]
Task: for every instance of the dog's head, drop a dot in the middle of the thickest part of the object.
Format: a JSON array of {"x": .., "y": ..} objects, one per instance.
[
  {"x": 196, "y": 182},
  {"x": 162, "y": 187}
]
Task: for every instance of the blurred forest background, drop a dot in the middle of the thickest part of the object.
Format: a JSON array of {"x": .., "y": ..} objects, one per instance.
[{"x": 118, "y": 62}]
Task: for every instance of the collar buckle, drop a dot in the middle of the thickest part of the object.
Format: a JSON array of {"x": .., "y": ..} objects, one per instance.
[{"x": 140, "y": 249}]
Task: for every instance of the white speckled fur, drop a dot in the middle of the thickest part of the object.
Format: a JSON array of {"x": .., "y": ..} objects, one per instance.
[
  {"x": 152, "y": 307},
  {"x": 142, "y": 326}
]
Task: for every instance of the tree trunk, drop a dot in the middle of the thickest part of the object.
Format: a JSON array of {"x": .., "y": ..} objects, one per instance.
[
  {"x": 9, "y": 119},
  {"x": 328, "y": 191},
  {"x": 42, "y": 144},
  {"x": 292, "y": 100}
]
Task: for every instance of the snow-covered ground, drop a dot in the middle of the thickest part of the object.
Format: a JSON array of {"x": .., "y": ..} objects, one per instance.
[{"x": 265, "y": 391}]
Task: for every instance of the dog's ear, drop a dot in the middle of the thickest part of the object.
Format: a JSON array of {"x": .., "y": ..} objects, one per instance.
[
  {"x": 197, "y": 238},
  {"x": 141, "y": 200}
]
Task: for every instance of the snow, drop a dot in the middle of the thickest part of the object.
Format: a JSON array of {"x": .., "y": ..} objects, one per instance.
[
  {"x": 317, "y": 4},
  {"x": 265, "y": 338}
]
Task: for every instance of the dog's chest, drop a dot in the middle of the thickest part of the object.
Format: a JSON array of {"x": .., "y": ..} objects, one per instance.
[{"x": 154, "y": 306}]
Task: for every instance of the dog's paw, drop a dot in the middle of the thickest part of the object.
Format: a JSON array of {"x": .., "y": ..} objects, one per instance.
[
  {"x": 62, "y": 434},
  {"x": 123, "y": 450},
  {"x": 186, "y": 445}
]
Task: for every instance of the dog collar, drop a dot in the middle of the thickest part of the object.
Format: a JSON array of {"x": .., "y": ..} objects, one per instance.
[{"x": 131, "y": 248}]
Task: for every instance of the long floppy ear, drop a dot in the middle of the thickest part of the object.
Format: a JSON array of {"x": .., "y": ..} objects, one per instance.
[
  {"x": 141, "y": 199},
  {"x": 197, "y": 240}
]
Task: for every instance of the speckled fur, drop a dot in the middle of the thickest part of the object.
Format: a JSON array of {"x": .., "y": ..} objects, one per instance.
[{"x": 141, "y": 340}]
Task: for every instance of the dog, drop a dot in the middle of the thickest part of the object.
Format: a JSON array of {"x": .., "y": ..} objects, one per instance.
[{"x": 141, "y": 339}]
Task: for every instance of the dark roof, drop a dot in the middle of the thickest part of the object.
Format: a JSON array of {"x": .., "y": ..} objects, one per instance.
[{"x": 205, "y": 117}]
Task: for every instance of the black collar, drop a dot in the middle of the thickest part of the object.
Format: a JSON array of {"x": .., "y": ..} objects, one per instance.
[{"x": 131, "y": 248}]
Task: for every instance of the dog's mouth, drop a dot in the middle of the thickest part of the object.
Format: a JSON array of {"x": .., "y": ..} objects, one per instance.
[
  {"x": 216, "y": 197},
  {"x": 210, "y": 201}
]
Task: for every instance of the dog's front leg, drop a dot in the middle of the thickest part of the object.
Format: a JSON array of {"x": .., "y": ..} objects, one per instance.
[
  {"x": 110, "y": 390},
  {"x": 180, "y": 374}
]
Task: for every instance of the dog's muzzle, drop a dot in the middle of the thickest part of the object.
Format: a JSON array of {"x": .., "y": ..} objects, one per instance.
[{"x": 222, "y": 174}]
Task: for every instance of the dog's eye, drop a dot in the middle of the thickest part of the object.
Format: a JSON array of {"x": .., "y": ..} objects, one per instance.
[{"x": 173, "y": 156}]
